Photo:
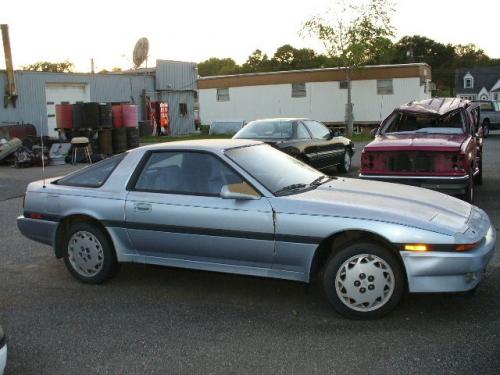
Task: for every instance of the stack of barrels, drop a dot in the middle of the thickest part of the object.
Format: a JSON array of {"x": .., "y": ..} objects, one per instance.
[
  {"x": 125, "y": 127},
  {"x": 111, "y": 129}
]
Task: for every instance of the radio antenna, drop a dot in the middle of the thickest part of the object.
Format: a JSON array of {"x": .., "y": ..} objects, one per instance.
[{"x": 43, "y": 157}]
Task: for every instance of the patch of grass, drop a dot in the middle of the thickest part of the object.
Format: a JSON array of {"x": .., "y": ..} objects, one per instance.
[
  {"x": 160, "y": 139},
  {"x": 361, "y": 138}
]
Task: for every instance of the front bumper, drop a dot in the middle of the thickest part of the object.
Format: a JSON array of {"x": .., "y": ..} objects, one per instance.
[
  {"x": 43, "y": 231},
  {"x": 434, "y": 272},
  {"x": 452, "y": 184}
]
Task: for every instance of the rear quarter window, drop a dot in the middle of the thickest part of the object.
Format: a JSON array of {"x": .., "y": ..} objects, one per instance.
[{"x": 93, "y": 176}]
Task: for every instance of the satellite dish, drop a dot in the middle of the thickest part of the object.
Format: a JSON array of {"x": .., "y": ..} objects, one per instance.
[{"x": 140, "y": 52}]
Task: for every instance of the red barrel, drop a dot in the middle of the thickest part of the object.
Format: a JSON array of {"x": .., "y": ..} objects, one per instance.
[
  {"x": 129, "y": 115},
  {"x": 64, "y": 116},
  {"x": 117, "y": 116}
]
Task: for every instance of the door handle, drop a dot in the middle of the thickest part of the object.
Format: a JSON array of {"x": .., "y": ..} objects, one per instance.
[{"x": 142, "y": 207}]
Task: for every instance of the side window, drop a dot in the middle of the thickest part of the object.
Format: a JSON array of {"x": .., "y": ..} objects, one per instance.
[
  {"x": 302, "y": 132},
  {"x": 384, "y": 87},
  {"x": 486, "y": 107},
  {"x": 223, "y": 94},
  {"x": 185, "y": 173},
  {"x": 317, "y": 130},
  {"x": 93, "y": 176}
]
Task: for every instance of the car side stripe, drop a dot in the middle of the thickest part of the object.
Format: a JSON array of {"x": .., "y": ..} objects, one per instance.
[{"x": 213, "y": 232}]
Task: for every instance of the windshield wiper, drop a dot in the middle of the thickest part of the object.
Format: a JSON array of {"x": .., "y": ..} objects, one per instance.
[
  {"x": 318, "y": 181},
  {"x": 289, "y": 188}
]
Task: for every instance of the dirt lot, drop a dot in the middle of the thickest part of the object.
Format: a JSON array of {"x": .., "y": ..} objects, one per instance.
[{"x": 160, "y": 320}]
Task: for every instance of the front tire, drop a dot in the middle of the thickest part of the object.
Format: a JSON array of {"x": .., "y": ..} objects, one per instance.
[
  {"x": 89, "y": 254},
  {"x": 478, "y": 178},
  {"x": 363, "y": 281},
  {"x": 345, "y": 166},
  {"x": 469, "y": 190}
]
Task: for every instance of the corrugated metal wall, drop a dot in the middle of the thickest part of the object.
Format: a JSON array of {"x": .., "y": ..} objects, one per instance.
[
  {"x": 32, "y": 107},
  {"x": 176, "y": 75},
  {"x": 179, "y": 125}
]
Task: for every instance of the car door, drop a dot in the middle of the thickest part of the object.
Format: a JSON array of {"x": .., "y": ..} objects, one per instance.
[
  {"x": 174, "y": 210},
  {"x": 327, "y": 152}
]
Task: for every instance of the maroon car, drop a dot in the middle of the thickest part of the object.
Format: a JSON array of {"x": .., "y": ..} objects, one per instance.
[{"x": 434, "y": 143}]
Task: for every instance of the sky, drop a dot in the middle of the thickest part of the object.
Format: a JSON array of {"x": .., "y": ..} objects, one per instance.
[{"x": 195, "y": 30}]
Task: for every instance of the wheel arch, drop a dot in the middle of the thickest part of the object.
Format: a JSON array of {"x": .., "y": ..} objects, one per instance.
[
  {"x": 64, "y": 226},
  {"x": 337, "y": 241}
]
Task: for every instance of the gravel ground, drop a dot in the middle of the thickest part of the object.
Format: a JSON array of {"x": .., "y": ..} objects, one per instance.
[{"x": 161, "y": 320}]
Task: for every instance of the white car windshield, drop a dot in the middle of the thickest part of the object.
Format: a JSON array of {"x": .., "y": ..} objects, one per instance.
[{"x": 277, "y": 171}]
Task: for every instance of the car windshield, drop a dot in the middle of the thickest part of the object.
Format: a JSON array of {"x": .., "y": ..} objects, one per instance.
[
  {"x": 497, "y": 106},
  {"x": 401, "y": 123},
  {"x": 277, "y": 171},
  {"x": 225, "y": 127},
  {"x": 263, "y": 129}
]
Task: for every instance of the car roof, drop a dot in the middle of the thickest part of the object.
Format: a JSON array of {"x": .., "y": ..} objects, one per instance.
[
  {"x": 434, "y": 106},
  {"x": 202, "y": 144}
]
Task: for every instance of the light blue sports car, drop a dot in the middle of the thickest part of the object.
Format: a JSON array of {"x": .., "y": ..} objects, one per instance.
[{"x": 242, "y": 207}]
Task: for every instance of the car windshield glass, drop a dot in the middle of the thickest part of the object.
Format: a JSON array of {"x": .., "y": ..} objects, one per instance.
[
  {"x": 277, "y": 171},
  {"x": 225, "y": 127},
  {"x": 497, "y": 106},
  {"x": 451, "y": 123},
  {"x": 275, "y": 129}
]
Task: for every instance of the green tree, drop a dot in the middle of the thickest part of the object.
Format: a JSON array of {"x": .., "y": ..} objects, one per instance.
[
  {"x": 256, "y": 62},
  {"x": 215, "y": 66},
  {"x": 65, "y": 66},
  {"x": 353, "y": 35}
]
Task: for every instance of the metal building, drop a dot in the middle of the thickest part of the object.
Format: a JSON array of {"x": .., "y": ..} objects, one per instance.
[{"x": 39, "y": 92}]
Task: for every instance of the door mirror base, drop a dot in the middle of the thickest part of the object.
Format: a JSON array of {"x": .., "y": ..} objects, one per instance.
[{"x": 241, "y": 191}]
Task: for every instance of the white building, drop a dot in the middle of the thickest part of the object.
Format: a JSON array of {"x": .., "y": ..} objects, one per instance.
[{"x": 320, "y": 94}]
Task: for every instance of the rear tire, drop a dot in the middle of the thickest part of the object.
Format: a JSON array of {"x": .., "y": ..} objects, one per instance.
[
  {"x": 363, "y": 281},
  {"x": 89, "y": 254},
  {"x": 345, "y": 166},
  {"x": 486, "y": 128}
]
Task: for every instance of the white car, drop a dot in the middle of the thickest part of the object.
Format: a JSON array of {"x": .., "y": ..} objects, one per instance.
[{"x": 3, "y": 351}]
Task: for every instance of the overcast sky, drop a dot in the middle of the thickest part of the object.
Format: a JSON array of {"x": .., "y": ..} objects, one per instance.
[{"x": 195, "y": 30}]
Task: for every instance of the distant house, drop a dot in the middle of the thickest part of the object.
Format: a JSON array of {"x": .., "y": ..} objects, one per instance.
[{"x": 481, "y": 83}]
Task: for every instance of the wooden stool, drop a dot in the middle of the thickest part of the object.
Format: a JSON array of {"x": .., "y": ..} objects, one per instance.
[{"x": 82, "y": 144}]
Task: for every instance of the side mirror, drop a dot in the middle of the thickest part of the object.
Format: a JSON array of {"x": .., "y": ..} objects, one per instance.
[
  {"x": 373, "y": 132},
  {"x": 241, "y": 191}
]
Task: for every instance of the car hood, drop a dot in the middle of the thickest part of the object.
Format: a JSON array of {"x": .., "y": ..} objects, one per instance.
[
  {"x": 381, "y": 201},
  {"x": 436, "y": 142}
]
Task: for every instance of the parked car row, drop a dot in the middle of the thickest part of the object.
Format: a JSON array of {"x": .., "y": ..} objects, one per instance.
[{"x": 242, "y": 206}]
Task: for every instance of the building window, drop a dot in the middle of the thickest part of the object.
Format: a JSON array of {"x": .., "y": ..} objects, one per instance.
[
  {"x": 467, "y": 97},
  {"x": 468, "y": 81},
  {"x": 384, "y": 87},
  {"x": 343, "y": 85},
  {"x": 183, "y": 109},
  {"x": 223, "y": 95},
  {"x": 298, "y": 90}
]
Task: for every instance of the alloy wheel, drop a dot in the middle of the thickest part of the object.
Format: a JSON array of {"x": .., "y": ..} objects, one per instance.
[
  {"x": 85, "y": 253},
  {"x": 364, "y": 282}
]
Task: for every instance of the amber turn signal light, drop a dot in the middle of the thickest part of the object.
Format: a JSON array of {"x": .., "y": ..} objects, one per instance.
[
  {"x": 466, "y": 246},
  {"x": 416, "y": 247}
]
